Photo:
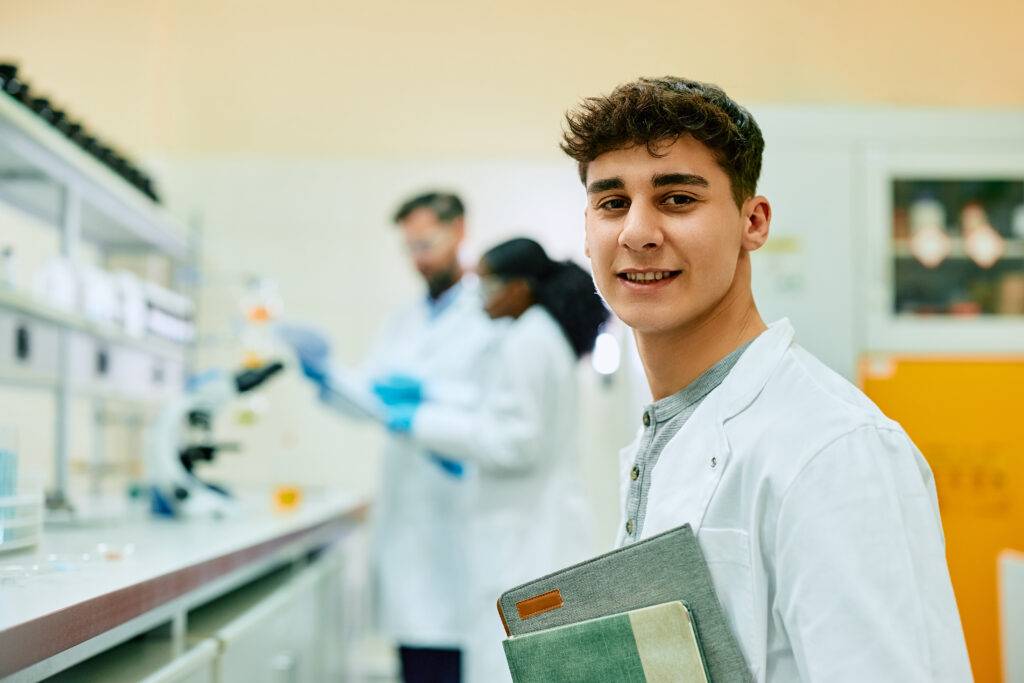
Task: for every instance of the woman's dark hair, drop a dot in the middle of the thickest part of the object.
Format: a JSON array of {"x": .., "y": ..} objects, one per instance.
[{"x": 564, "y": 289}]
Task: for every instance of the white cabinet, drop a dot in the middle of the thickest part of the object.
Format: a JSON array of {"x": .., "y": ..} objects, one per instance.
[
  {"x": 286, "y": 627},
  {"x": 275, "y": 641},
  {"x": 148, "y": 659},
  {"x": 86, "y": 367},
  {"x": 1011, "y": 605},
  {"x": 279, "y": 629},
  {"x": 198, "y": 665},
  {"x": 28, "y": 347}
]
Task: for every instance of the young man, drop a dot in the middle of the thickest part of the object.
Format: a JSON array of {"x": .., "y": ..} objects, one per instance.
[{"x": 817, "y": 515}]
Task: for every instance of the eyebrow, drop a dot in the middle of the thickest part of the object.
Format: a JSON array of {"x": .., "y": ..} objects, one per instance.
[
  {"x": 679, "y": 179},
  {"x": 659, "y": 180},
  {"x": 604, "y": 185}
]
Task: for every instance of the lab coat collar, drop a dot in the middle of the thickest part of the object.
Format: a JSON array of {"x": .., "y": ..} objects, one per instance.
[
  {"x": 689, "y": 471},
  {"x": 755, "y": 366},
  {"x": 436, "y": 307}
]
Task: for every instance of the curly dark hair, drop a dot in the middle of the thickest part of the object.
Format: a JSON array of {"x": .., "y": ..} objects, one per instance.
[{"x": 655, "y": 111}]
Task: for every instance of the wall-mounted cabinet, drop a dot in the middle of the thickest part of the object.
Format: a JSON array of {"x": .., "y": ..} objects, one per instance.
[{"x": 945, "y": 257}]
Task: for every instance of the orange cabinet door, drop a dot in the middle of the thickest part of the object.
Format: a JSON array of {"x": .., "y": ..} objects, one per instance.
[{"x": 966, "y": 414}]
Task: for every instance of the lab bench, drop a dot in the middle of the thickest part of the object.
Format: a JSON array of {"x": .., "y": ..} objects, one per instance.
[{"x": 255, "y": 597}]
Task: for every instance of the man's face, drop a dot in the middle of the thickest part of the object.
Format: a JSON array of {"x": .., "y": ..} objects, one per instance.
[
  {"x": 664, "y": 234},
  {"x": 432, "y": 245}
]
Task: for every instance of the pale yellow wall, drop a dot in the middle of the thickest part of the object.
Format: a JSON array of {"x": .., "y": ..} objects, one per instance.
[{"x": 328, "y": 78}]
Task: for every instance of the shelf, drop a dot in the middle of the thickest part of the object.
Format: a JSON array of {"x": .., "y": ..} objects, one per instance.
[
  {"x": 37, "y": 163},
  {"x": 20, "y": 378},
  {"x": 1014, "y": 249},
  {"x": 21, "y": 303}
]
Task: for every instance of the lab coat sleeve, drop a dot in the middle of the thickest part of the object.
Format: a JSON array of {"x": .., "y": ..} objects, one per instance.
[
  {"x": 352, "y": 395},
  {"x": 862, "y": 584},
  {"x": 503, "y": 430}
]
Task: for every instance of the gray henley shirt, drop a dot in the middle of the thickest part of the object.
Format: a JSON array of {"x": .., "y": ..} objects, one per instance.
[{"x": 662, "y": 420}]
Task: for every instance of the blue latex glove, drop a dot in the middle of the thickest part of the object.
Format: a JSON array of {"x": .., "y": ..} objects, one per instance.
[
  {"x": 394, "y": 390},
  {"x": 398, "y": 418},
  {"x": 452, "y": 467},
  {"x": 312, "y": 350}
]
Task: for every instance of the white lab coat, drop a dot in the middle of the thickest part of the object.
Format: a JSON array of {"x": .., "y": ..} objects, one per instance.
[
  {"x": 528, "y": 511},
  {"x": 418, "y": 549},
  {"x": 819, "y": 521}
]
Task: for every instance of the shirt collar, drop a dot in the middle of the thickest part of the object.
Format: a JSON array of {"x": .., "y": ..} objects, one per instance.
[{"x": 667, "y": 408}]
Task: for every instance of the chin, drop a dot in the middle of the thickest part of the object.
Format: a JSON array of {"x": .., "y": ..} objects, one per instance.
[
  {"x": 647, "y": 320},
  {"x": 639, "y": 318}
]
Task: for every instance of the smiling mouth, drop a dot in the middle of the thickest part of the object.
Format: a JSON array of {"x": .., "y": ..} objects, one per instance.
[{"x": 649, "y": 277}]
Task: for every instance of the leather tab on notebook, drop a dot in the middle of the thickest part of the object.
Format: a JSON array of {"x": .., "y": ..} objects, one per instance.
[{"x": 539, "y": 604}]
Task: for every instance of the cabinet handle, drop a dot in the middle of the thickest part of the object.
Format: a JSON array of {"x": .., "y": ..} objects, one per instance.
[
  {"x": 22, "y": 343},
  {"x": 283, "y": 667}
]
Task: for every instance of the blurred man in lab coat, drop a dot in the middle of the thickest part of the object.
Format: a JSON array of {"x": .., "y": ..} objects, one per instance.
[
  {"x": 817, "y": 515},
  {"x": 441, "y": 338}
]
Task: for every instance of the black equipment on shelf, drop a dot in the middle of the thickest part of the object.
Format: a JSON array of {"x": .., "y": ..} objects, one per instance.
[{"x": 15, "y": 87}]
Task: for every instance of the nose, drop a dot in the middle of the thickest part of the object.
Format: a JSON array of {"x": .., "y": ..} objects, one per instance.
[
  {"x": 422, "y": 264},
  {"x": 641, "y": 230}
]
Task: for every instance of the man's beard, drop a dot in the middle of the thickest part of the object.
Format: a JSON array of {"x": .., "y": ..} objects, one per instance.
[{"x": 441, "y": 282}]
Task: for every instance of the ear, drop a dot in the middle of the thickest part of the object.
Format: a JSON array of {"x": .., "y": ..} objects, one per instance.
[
  {"x": 519, "y": 291},
  {"x": 458, "y": 226},
  {"x": 757, "y": 217},
  {"x": 519, "y": 287}
]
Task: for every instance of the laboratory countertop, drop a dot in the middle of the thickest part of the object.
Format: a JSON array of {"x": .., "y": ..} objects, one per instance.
[{"x": 85, "y": 580}]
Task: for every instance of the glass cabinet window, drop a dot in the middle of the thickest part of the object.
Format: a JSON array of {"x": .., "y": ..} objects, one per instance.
[{"x": 958, "y": 247}]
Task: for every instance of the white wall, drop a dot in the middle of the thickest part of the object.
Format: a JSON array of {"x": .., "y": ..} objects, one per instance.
[{"x": 321, "y": 229}]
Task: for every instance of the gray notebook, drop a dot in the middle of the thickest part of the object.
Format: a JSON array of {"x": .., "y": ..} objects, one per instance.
[{"x": 656, "y": 570}]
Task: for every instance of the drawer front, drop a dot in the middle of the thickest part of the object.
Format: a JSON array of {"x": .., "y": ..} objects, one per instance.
[
  {"x": 276, "y": 641},
  {"x": 198, "y": 665}
]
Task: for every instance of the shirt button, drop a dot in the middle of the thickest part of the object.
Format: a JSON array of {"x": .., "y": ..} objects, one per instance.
[
  {"x": 635, "y": 473},
  {"x": 714, "y": 462},
  {"x": 629, "y": 527},
  {"x": 647, "y": 419}
]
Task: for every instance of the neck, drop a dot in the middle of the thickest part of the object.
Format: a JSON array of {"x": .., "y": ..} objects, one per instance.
[{"x": 673, "y": 359}]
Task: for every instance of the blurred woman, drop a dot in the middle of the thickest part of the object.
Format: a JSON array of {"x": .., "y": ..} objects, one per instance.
[{"x": 519, "y": 437}]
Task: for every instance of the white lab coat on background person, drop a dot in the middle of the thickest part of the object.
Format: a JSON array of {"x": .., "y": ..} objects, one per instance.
[
  {"x": 819, "y": 521},
  {"x": 529, "y": 516},
  {"x": 419, "y": 514}
]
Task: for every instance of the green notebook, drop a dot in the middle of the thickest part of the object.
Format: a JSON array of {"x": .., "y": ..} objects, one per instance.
[{"x": 650, "y": 645}]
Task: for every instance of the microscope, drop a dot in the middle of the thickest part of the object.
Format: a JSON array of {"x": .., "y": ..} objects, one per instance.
[{"x": 181, "y": 437}]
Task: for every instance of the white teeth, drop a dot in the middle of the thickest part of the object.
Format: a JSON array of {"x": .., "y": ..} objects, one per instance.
[{"x": 647, "y": 277}]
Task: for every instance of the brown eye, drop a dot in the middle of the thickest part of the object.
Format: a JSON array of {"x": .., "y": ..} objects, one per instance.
[
  {"x": 613, "y": 204},
  {"x": 680, "y": 200}
]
